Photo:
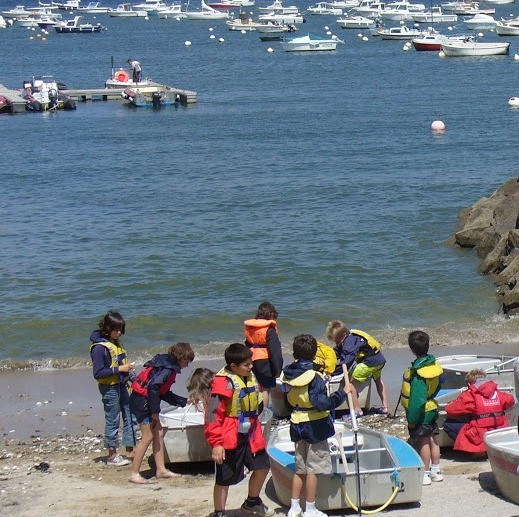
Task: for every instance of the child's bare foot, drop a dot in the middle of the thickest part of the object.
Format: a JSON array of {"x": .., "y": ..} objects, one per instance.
[
  {"x": 139, "y": 480},
  {"x": 167, "y": 474}
]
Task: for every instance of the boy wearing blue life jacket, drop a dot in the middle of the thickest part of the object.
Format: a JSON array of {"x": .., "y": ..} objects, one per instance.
[
  {"x": 359, "y": 348},
  {"x": 311, "y": 423}
]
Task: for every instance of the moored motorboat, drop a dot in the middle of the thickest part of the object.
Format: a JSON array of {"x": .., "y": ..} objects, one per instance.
[
  {"x": 224, "y": 4},
  {"x": 499, "y": 368},
  {"x": 121, "y": 79},
  {"x": 503, "y": 454},
  {"x": 324, "y": 8},
  {"x": 172, "y": 12},
  {"x": 127, "y": 11},
  {"x": 399, "y": 33},
  {"x": 206, "y": 13},
  {"x": 390, "y": 469},
  {"x": 435, "y": 15},
  {"x": 75, "y": 27},
  {"x": 480, "y": 22},
  {"x": 42, "y": 93},
  {"x": 506, "y": 29},
  {"x": 184, "y": 439},
  {"x": 94, "y": 8},
  {"x": 356, "y": 22},
  {"x": 143, "y": 98},
  {"x": 273, "y": 27},
  {"x": 281, "y": 17},
  {"x": 433, "y": 41}
]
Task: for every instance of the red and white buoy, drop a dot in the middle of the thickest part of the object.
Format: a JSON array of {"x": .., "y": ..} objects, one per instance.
[{"x": 438, "y": 126}]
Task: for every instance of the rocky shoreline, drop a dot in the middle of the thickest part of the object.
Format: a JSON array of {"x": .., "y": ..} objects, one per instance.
[{"x": 491, "y": 227}]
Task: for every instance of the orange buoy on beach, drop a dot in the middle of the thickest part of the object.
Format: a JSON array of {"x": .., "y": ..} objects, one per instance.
[{"x": 121, "y": 76}]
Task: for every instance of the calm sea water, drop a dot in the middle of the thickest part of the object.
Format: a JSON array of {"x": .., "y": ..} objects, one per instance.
[{"x": 311, "y": 180}]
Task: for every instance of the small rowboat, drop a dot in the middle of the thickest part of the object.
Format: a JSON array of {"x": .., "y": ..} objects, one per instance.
[
  {"x": 499, "y": 368},
  {"x": 184, "y": 440},
  {"x": 503, "y": 454},
  {"x": 281, "y": 409},
  {"x": 390, "y": 469}
]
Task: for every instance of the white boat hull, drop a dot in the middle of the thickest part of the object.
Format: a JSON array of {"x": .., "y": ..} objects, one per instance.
[
  {"x": 379, "y": 456},
  {"x": 356, "y": 22},
  {"x": 503, "y": 29},
  {"x": 503, "y": 454},
  {"x": 184, "y": 440}
]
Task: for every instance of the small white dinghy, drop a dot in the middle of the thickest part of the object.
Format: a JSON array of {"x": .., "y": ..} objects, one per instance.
[
  {"x": 390, "y": 469},
  {"x": 503, "y": 454},
  {"x": 499, "y": 368},
  {"x": 281, "y": 408},
  {"x": 184, "y": 440}
]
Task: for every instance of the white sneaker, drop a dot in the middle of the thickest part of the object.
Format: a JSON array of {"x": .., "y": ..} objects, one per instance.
[
  {"x": 315, "y": 513},
  {"x": 118, "y": 461},
  {"x": 295, "y": 513},
  {"x": 426, "y": 479},
  {"x": 436, "y": 475}
]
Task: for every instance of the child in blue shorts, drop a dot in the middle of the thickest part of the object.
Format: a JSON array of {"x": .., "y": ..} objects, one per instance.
[{"x": 355, "y": 346}]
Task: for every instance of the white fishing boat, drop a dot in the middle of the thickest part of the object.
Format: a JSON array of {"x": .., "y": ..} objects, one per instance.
[
  {"x": 281, "y": 408},
  {"x": 507, "y": 29},
  {"x": 243, "y": 23},
  {"x": 16, "y": 12},
  {"x": 122, "y": 79},
  {"x": 94, "y": 8},
  {"x": 151, "y": 6},
  {"x": 172, "y": 12},
  {"x": 480, "y": 22},
  {"x": 499, "y": 368},
  {"x": 471, "y": 8},
  {"x": 69, "y": 5},
  {"x": 503, "y": 454},
  {"x": 278, "y": 6},
  {"x": 356, "y": 22},
  {"x": 434, "y": 15},
  {"x": 127, "y": 11},
  {"x": 400, "y": 11},
  {"x": 281, "y": 17},
  {"x": 74, "y": 26},
  {"x": 433, "y": 41},
  {"x": 184, "y": 439},
  {"x": 390, "y": 469},
  {"x": 273, "y": 28},
  {"x": 324, "y": 8},
  {"x": 399, "y": 33},
  {"x": 206, "y": 13}
]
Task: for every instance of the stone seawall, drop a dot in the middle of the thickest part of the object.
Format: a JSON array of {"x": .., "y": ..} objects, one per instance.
[{"x": 491, "y": 226}]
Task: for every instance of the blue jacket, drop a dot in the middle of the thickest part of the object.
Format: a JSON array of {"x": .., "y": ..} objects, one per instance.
[
  {"x": 101, "y": 359},
  {"x": 349, "y": 349},
  {"x": 316, "y": 430}
]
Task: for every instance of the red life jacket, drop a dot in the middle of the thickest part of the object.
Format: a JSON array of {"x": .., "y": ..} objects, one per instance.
[
  {"x": 140, "y": 384},
  {"x": 489, "y": 413}
]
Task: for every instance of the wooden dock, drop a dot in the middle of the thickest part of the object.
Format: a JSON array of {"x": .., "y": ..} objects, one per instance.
[
  {"x": 15, "y": 99},
  {"x": 18, "y": 103},
  {"x": 108, "y": 94}
]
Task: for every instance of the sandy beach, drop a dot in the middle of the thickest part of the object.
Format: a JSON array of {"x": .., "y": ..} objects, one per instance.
[{"x": 51, "y": 462}]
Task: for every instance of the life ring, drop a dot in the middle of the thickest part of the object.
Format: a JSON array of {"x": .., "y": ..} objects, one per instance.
[{"x": 121, "y": 76}]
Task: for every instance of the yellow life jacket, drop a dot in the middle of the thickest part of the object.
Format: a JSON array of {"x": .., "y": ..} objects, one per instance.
[
  {"x": 325, "y": 358},
  {"x": 299, "y": 398},
  {"x": 245, "y": 399},
  {"x": 117, "y": 356},
  {"x": 431, "y": 374},
  {"x": 373, "y": 346}
]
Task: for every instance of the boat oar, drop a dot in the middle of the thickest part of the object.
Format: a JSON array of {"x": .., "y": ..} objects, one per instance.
[
  {"x": 397, "y": 404},
  {"x": 355, "y": 438}
]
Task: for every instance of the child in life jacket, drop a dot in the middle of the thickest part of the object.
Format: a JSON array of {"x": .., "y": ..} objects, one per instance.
[
  {"x": 199, "y": 388},
  {"x": 233, "y": 430},
  {"x": 421, "y": 383},
  {"x": 261, "y": 336},
  {"x": 311, "y": 423},
  {"x": 111, "y": 369},
  {"x": 477, "y": 410},
  {"x": 150, "y": 387},
  {"x": 355, "y": 346}
]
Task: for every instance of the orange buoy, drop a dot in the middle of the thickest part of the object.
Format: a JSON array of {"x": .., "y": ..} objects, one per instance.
[{"x": 121, "y": 76}]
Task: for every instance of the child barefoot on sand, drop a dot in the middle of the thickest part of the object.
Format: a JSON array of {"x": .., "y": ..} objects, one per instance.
[
  {"x": 149, "y": 388},
  {"x": 111, "y": 368}
]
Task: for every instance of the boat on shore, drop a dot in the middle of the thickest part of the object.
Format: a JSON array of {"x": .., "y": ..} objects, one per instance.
[
  {"x": 503, "y": 454},
  {"x": 499, "y": 368},
  {"x": 184, "y": 439},
  {"x": 390, "y": 469}
]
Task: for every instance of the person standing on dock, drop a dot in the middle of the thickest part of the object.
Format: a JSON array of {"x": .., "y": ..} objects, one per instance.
[{"x": 136, "y": 69}]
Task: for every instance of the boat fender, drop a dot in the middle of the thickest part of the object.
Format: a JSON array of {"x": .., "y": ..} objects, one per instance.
[{"x": 121, "y": 76}]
